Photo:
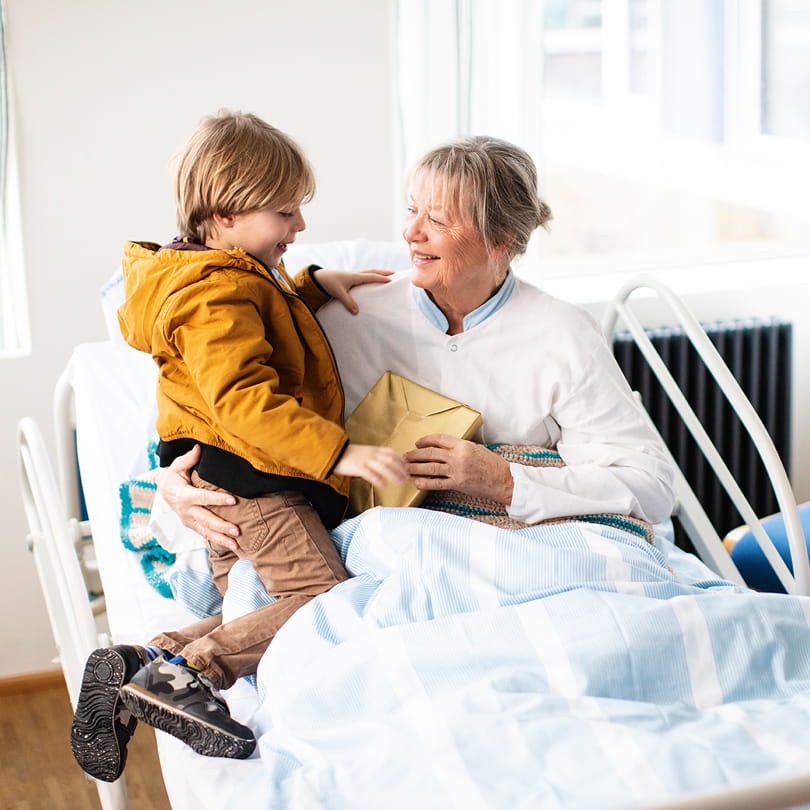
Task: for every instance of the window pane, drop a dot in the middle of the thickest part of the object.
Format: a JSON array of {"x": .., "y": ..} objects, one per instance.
[
  {"x": 573, "y": 13},
  {"x": 573, "y": 50},
  {"x": 639, "y": 39},
  {"x": 786, "y": 68}
]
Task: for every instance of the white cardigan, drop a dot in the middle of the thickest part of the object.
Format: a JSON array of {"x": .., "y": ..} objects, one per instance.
[{"x": 540, "y": 372}]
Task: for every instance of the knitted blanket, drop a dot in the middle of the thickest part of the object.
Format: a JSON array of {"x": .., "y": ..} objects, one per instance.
[
  {"x": 494, "y": 513},
  {"x": 136, "y": 496}
]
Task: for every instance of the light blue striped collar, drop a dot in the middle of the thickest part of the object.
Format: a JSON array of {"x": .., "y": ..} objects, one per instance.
[
  {"x": 489, "y": 307},
  {"x": 279, "y": 278}
]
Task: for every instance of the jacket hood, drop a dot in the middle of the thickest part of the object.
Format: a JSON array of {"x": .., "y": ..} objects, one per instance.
[{"x": 153, "y": 275}]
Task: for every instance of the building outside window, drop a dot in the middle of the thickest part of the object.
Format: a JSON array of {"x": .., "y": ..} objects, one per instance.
[{"x": 660, "y": 125}]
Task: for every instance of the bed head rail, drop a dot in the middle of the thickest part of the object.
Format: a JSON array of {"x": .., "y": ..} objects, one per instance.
[
  {"x": 688, "y": 510},
  {"x": 52, "y": 539},
  {"x": 64, "y": 418}
]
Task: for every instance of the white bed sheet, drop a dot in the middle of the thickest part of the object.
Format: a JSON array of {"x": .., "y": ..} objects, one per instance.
[{"x": 114, "y": 422}]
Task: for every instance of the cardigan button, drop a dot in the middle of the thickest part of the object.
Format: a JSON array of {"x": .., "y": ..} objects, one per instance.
[{"x": 453, "y": 347}]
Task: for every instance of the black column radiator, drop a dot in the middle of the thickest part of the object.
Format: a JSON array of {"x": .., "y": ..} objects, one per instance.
[{"x": 758, "y": 352}]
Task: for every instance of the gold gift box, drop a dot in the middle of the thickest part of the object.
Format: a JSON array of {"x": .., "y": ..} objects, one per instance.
[{"x": 395, "y": 413}]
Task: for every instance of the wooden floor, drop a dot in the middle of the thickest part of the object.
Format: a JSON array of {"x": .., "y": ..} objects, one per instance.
[{"x": 37, "y": 769}]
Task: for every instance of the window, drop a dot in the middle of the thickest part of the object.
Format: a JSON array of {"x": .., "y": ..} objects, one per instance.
[
  {"x": 600, "y": 56},
  {"x": 665, "y": 131},
  {"x": 14, "y": 329},
  {"x": 452, "y": 81},
  {"x": 660, "y": 125},
  {"x": 785, "y": 69}
]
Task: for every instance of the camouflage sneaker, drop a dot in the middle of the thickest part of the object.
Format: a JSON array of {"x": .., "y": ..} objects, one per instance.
[
  {"x": 102, "y": 725},
  {"x": 184, "y": 703}
]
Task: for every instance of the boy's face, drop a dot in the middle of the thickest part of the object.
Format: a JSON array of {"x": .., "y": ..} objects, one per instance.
[{"x": 264, "y": 234}]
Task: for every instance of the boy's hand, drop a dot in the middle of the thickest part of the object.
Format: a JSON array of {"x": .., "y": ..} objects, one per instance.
[
  {"x": 338, "y": 283},
  {"x": 380, "y": 466}
]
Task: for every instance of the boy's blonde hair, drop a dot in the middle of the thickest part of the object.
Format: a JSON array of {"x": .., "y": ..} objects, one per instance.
[{"x": 235, "y": 163}]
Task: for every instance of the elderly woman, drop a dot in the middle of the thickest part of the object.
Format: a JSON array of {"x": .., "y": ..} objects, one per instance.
[{"x": 461, "y": 323}]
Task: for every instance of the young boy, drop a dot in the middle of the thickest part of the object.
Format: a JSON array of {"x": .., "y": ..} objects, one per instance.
[{"x": 246, "y": 374}]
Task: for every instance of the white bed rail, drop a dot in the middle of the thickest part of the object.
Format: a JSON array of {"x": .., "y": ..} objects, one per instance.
[
  {"x": 778, "y": 794},
  {"x": 53, "y": 540},
  {"x": 64, "y": 419},
  {"x": 688, "y": 510}
]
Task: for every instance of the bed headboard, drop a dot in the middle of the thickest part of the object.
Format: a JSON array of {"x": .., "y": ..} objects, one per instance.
[{"x": 689, "y": 511}]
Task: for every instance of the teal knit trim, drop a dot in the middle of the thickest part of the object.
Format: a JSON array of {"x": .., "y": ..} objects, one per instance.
[
  {"x": 152, "y": 453},
  {"x": 466, "y": 511},
  {"x": 545, "y": 455},
  {"x": 616, "y": 521},
  {"x": 153, "y": 558}
]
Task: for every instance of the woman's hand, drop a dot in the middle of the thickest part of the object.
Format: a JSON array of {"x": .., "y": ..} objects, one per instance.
[
  {"x": 380, "y": 466},
  {"x": 190, "y": 502},
  {"x": 441, "y": 461},
  {"x": 338, "y": 283}
]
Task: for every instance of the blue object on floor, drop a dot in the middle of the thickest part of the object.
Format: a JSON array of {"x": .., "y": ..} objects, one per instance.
[{"x": 751, "y": 561}]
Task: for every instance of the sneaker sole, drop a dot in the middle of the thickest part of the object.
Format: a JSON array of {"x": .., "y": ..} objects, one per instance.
[
  {"x": 203, "y": 737},
  {"x": 95, "y": 745}
]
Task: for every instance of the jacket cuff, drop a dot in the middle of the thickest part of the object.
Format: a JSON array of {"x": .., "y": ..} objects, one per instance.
[
  {"x": 308, "y": 288},
  {"x": 338, "y": 458}
]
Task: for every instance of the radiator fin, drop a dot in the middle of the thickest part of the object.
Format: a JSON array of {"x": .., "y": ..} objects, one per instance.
[{"x": 758, "y": 352}]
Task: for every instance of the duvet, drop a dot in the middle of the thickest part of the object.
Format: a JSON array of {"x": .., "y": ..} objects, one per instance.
[{"x": 568, "y": 666}]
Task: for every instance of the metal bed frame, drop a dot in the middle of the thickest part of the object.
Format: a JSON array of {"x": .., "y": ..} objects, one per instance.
[
  {"x": 690, "y": 513},
  {"x": 59, "y": 538},
  {"x": 59, "y": 542}
]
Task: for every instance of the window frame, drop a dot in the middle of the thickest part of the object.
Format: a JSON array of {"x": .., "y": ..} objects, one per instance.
[{"x": 15, "y": 330}]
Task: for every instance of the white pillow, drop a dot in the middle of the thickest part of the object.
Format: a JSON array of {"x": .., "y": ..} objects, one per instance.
[
  {"x": 112, "y": 297},
  {"x": 350, "y": 254},
  {"x": 134, "y": 371}
]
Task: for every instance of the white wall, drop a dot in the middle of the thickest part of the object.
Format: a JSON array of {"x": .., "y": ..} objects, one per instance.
[{"x": 106, "y": 92}]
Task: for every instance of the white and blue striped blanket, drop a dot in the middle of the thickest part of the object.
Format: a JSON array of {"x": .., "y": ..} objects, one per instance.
[{"x": 566, "y": 666}]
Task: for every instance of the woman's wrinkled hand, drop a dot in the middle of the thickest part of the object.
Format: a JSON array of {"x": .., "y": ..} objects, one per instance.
[
  {"x": 338, "y": 283},
  {"x": 191, "y": 503},
  {"x": 442, "y": 462}
]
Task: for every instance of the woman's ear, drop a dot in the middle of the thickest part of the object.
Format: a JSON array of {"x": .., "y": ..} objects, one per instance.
[{"x": 503, "y": 247}]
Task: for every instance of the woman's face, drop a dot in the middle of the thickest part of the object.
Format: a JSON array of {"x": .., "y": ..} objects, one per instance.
[{"x": 447, "y": 251}]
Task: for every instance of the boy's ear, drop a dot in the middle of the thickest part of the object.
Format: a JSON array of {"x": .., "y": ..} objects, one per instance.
[{"x": 223, "y": 221}]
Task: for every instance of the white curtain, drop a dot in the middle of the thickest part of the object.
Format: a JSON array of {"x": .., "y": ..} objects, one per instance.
[
  {"x": 468, "y": 67},
  {"x": 14, "y": 326}
]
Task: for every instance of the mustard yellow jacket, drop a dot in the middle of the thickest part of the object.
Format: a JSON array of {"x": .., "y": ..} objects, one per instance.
[{"x": 243, "y": 363}]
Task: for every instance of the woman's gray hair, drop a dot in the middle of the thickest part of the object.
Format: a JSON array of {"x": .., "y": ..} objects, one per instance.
[{"x": 491, "y": 182}]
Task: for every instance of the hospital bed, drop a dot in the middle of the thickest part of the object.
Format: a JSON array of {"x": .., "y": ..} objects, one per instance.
[{"x": 559, "y": 697}]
